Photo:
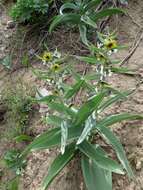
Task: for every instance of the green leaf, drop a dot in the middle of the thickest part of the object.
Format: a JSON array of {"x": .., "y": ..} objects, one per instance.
[
  {"x": 114, "y": 90},
  {"x": 92, "y": 76},
  {"x": 60, "y": 19},
  {"x": 58, "y": 164},
  {"x": 64, "y": 135},
  {"x": 61, "y": 108},
  {"x": 75, "y": 75},
  {"x": 92, "y": 4},
  {"x": 53, "y": 120},
  {"x": 50, "y": 139},
  {"x": 46, "y": 140},
  {"x": 106, "y": 12},
  {"x": 75, "y": 88},
  {"x": 95, "y": 49},
  {"x": 86, "y": 19},
  {"x": 22, "y": 138},
  {"x": 7, "y": 62},
  {"x": 13, "y": 184},
  {"x": 100, "y": 159},
  {"x": 91, "y": 60},
  {"x": 68, "y": 6},
  {"x": 113, "y": 140},
  {"x": 114, "y": 99},
  {"x": 83, "y": 34},
  {"x": 25, "y": 60},
  {"x": 46, "y": 99},
  {"x": 123, "y": 70},
  {"x": 110, "y": 120},
  {"x": 87, "y": 108},
  {"x": 95, "y": 177},
  {"x": 89, "y": 124}
]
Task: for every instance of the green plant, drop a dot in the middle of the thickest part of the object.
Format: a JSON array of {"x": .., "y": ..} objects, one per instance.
[
  {"x": 82, "y": 14},
  {"x": 77, "y": 124},
  {"x": 6, "y": 62},
  {"x": 29, "y": 10},
  {"x": 17, "y": 100},
  {"x": 13, "y": 161}
]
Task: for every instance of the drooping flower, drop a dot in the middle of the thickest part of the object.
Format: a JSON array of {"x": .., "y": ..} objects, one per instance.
[
  {"x": 55, "y": 92},
  {"x": 110, "y": 44},
  {"x": 47, "y": 56},
  {"x": 55, "y": 67}
]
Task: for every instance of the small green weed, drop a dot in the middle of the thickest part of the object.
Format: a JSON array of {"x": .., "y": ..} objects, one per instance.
[
  {"x": 17, "y": 101},
  {"x": 29, "y": 10}
]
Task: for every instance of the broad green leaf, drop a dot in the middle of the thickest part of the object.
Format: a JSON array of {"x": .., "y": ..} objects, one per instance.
[
  {"x": 51, "y": 138},
  {"x": 58, "y": 164},
  {"x": 45, "y": 140},
  {"x": 61, "y": 19},
  {"x": 113, "y": 140},
  {"x": 68, "y": 6},
  {"x": 83, "y": 34},
  {"x": 106, "y": 12},
  {"x": 64, "y": 135},
  {"x": 74, "y": 89},
  {"x": 100, "y": 159},
  {"x": 89, "y": 124},
  {"x": 88, "y": 108},
  {"x": 123, "y": 70},
  {"x": 95, "y": 177}
]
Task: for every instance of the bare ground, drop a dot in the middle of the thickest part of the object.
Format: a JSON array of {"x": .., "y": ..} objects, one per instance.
[{"x": 130, "y": 133}]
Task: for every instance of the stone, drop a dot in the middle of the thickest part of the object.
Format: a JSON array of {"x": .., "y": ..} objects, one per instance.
[
  {"x": 138, "y": 165},
  {"x": 10, "y": 24}
]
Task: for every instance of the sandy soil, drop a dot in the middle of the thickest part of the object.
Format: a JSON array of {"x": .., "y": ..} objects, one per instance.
[{"x": 130, "y": 133}]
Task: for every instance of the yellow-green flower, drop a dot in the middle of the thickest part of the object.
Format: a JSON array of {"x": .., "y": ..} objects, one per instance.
[
  {"x": 55, "y": 67},
  {"x": 47, "y": 56},
  {"x": 110, "y": 43},
  {"x": 55, "y": 92}
]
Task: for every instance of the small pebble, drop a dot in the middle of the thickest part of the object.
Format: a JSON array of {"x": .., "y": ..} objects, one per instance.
[
  {"x": 138, "y": 165},
  {"x": 10, "y": 24}
]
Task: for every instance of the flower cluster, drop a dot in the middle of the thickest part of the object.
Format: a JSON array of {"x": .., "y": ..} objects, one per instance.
[
  {"x": 105, "y": 47},
  {"x": 53, "y": 73},
  {"x": 51, "y": 60}
]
